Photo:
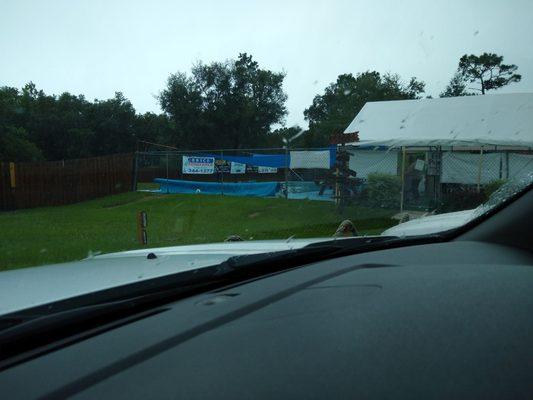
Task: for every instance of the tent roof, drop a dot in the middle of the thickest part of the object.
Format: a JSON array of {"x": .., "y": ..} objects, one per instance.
[{"x": 498, "y": 119}]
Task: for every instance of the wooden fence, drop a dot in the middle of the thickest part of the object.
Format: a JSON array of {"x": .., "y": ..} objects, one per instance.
[{"x": 50, "y": 183}]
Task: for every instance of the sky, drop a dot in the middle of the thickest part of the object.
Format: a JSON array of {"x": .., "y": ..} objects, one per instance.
[{"x": 98, "y": 47}]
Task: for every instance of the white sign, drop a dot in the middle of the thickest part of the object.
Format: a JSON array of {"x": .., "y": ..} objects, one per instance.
[
  {"x": 366, "y": 162},
  {"x": 419, "y": 165},
  {"x": 267, "y": 170},
  {"x": 198, "y": 165},
  {"x": 310, "y": 159},
  {"x": 237, "y": 168}
]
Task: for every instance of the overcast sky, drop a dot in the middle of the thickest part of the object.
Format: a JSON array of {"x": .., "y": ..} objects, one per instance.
[{"x": 98, "y": 47}]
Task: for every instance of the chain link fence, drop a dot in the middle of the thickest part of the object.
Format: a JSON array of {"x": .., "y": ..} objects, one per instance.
[
  {"x": 295, "y": 174},
  {"x": 403, "y": 179}
]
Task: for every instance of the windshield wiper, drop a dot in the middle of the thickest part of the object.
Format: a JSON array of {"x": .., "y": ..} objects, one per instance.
[{"x": 319, "y": 251}]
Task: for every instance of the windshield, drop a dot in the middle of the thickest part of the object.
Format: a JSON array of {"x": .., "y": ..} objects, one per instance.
[{"x": 250, "y": 127}]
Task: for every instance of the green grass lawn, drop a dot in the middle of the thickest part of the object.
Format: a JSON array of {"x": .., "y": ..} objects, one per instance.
[{"x": 57, "y": 234}]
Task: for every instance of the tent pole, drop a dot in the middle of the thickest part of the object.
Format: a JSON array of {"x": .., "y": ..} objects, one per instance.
[
  {"x": 287, "y": 170},
  {"x": 167, "y": 173},
  {"x": 402, "y": 194},
  {"x": 222, "y": 171},
  {"x": 480, "y": 168}
]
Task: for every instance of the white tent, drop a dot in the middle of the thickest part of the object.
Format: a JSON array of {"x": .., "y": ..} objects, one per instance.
[{"x": 469, "y": 121}]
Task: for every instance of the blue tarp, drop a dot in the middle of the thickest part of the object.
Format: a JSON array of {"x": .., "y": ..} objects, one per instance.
[
  {"x": 270, "y": 160},
  {"x": 309, "y": 190},
  {"x": 257, "y": 189},
  {"x": 257, "y": 160}
]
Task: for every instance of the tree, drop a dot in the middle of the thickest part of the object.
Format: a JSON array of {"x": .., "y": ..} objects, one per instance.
[
  {"x": 155, "y": 128},
  {"x": 230, "y": 104},
  {"x": 14, "y": 142},
  {"x": 15, "y": 146},
  {"x": 488, "y": 70},
  {"x": 295, "y": 135},
  {"x": 456, "y": 87},
  {"x": 64, "y": 126},
  {"x": 342, "y": 100},
  {"x": 113, "y": 124}
]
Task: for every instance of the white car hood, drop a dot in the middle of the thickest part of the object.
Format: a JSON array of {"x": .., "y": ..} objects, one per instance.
[
  {"x": 28, "y": 287},
  {"x": 431, "y": 224}
]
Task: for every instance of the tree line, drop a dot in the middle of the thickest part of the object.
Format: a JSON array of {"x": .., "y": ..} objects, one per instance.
[{"x": 232, "y": 104}]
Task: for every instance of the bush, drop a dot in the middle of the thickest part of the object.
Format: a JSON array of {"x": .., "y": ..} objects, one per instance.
[
  {"x": 491, "y": 187},
  {"x": 459, "y": 197},
  {"x": 383, "y": 190}
]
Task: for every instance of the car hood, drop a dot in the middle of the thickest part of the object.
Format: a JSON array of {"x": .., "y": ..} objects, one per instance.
[
  {"x": 431, "y": 224},
  {"x": 29, "y": 287}
]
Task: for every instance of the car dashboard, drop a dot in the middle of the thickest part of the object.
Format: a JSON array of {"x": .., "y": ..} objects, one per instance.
[{"x": 443, "y": 320}]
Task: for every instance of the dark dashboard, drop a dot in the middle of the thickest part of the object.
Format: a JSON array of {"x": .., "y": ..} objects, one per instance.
[{"x": 445, "y": 320}]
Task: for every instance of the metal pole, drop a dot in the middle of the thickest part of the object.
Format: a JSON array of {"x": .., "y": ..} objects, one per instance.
[
  {"x": 500, "y": 167},
  {"x": 507, "y": 164},
  {"x": 167, "y": 172},
  {"x": 287, "y": 169},
  {"x": 222, "y": 172},
  {"x": 402, "y": 193},
  {"x": 480, "y": 168},
  {"x": 438, "y": 177},
  {"x": 135, "y": 171}
]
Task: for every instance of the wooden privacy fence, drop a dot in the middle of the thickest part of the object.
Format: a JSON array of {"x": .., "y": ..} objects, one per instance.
[{"x": 50, "y": 183}]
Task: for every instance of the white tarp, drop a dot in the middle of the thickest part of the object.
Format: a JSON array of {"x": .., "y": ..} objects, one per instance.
[
  {"x": 366, "y": 162},
  {"x": 520, "y": 165},
  {"x": 309, "y": 159},
  {"x": 465, "y": 167},
  {"x": 494, "y": 119},
  {"x": 198, "y": 165},
  {"x": 267, "y": 170},
  {"x": 237, "y": 168}
]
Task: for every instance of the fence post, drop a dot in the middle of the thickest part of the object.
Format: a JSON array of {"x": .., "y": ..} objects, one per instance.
[
  {"x": 167, "y": 172},
  {"x": 135, "y": 171},
  {"x": 222, "y": 172},
  {"x": 402, "y": 193},
  {"x": 507, "y": 164},
  {"x": 287, "y": 169},
  {"x": 479, "y": 170},
  {"x": 438, "y": 177}
]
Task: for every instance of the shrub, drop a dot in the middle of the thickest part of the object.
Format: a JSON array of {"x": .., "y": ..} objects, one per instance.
[
  {"x": 459, "y": 197},
  {"x": 491, "y": 187},
  {"x": 383, "y": 190}
]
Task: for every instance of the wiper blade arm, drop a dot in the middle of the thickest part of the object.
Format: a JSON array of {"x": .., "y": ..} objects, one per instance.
[{"x": 313, "y": 252}]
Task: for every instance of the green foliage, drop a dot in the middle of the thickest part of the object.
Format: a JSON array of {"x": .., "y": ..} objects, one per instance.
[
  {"x": 34, "y": 125},
  {"x": 14, "y": 146},
  {"x": 383, "y": 190},
  {"x": 112, "y": 122},
  {"x": 488, "y": 70},
  {"x": 456, "y": 87},
  {"x": 222, "y": 105},
  {"x": 297, "y": 137},
  {"x": 155, "y": 128},
  {"x": 332, "y": 111},
  {"x": 232, "y": 104},
  {"x": 459, "y": 198},
  {"x": 493, "y": 186}
]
